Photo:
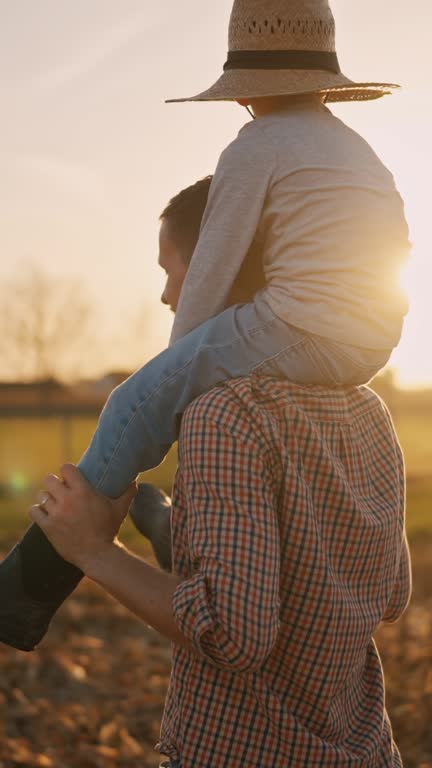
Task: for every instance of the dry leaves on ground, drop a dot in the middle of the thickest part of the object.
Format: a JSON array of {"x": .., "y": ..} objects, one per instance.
[{"x": 92, "y": 695}]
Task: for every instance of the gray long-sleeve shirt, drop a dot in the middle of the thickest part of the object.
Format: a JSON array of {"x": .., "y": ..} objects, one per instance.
[{"x": 330, "y": 222}]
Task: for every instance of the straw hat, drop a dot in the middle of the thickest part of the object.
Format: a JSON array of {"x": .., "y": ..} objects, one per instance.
[{"x": 284, "y": 47}]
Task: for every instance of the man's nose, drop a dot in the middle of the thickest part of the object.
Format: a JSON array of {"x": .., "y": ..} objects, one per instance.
[{"x": 163, "y": 299}]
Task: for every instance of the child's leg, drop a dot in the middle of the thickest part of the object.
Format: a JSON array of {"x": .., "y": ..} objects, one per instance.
[
  {"x": 141, "y": 418},
  {"x": 337, "y": 364},
  {"x": 137, "y": 426}
]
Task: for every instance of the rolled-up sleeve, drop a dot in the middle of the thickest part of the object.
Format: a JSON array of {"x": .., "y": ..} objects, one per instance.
[{"x": 229, "y": 606}]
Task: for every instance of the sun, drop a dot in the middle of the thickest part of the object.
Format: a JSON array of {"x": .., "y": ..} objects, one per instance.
[{"x": 411, "y": 360}]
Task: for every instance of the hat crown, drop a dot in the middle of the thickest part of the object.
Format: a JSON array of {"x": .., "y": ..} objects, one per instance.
[
  {"x": 297, "y": 25},
  {"x": 285, "y": 47}
]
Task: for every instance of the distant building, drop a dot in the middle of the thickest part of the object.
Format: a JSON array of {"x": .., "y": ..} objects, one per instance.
[
  {"x": 46, "y": 398},
  {"x": 101, "y": 387}
]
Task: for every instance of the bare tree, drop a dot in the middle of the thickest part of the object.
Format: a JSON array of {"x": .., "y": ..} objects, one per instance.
[{"x": 43, "y": 325}]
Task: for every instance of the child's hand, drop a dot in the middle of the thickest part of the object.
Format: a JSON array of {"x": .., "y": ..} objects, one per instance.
[{"x": 79, "y": 522}]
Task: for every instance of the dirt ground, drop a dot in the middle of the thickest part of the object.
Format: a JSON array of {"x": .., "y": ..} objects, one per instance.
[{"x": 91, "y": 696}]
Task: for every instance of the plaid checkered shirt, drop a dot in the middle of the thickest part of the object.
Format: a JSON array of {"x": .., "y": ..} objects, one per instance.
[{"x": 288, "y": 529}]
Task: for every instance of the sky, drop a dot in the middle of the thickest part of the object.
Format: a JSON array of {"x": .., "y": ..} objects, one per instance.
[{"x": 90, "y": 153}]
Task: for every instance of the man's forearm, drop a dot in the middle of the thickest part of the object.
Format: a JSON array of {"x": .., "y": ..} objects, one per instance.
[{"x": 144, "y": 590}]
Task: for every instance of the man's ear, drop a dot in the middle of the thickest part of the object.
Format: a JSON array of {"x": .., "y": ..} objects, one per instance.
[{"x": 243, "y": 102}]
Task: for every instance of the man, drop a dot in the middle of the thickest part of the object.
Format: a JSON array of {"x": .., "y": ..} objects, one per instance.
[
  {"x": 34, "y": 579},
  {"x": 288, "y": 551}
]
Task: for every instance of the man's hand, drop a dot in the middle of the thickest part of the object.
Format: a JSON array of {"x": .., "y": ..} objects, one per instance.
[{"x": 80, "y": 523}]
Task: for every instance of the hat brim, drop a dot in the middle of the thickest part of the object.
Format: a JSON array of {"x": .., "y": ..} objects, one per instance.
[{"x": 252, "y": 83}]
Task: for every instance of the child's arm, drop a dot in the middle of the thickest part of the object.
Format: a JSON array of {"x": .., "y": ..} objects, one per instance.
[{"x": 231, "y": 220}]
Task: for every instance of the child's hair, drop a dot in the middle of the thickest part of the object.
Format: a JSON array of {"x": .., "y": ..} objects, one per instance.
[{"x": 184, "y": 213}]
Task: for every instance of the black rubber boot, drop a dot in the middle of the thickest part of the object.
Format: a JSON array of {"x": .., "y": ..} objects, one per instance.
[
  {"x": 34, "y": 582},
  {"x": 151, "y": 515}
]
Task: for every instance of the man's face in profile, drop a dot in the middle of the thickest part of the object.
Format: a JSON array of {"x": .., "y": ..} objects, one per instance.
[{"x": 172, "y": 262}]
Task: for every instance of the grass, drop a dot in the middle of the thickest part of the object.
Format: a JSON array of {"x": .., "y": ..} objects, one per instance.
[
  {"x": 419, "y": 497},
  {"x": 415, "y": 435}
]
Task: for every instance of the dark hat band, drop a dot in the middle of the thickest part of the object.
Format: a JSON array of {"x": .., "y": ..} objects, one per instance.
[{"x": 323, "y": 60}]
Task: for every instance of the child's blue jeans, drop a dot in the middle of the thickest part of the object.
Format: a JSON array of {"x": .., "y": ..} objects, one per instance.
[{"x": 141, "y": 418}]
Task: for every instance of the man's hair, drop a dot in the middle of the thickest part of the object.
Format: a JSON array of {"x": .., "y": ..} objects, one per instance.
[{"x": 184, "y": 213}]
